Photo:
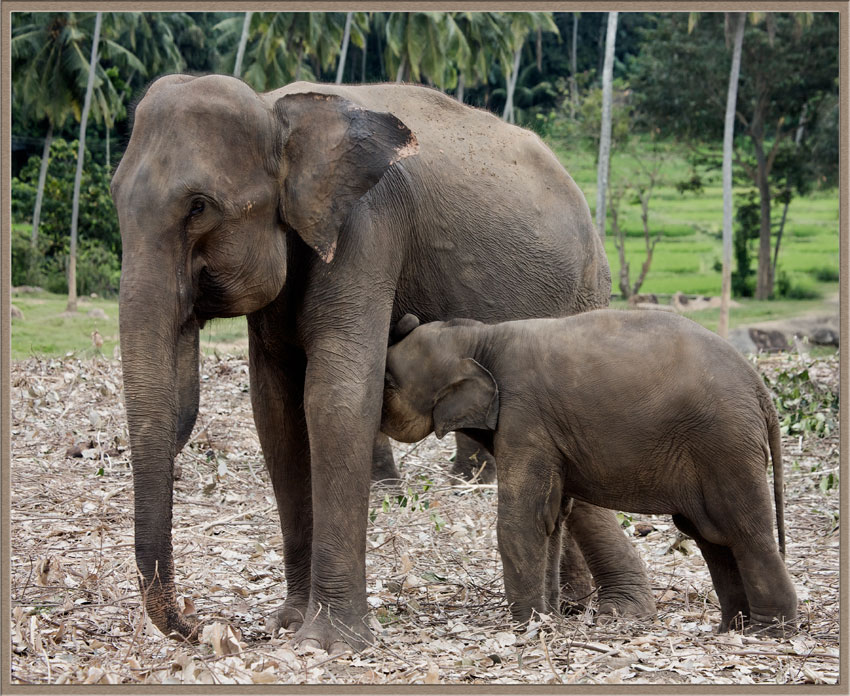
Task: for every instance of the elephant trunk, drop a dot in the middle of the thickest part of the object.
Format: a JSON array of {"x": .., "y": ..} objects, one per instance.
[{"x": 159, "y": 348}]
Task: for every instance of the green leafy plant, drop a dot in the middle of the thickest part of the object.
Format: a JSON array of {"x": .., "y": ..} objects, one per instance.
[{"x": 803, "y": 406}]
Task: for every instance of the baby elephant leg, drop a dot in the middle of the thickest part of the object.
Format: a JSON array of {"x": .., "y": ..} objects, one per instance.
[
  {"x": 528, "y": 519},
  {"x": 471, "y": 459},
  {"x": 769, "y": 589},
  {"x": 725, "y": 576},
  {"x": 576, "y": 587},
  {"x": 618, "y": 571}
]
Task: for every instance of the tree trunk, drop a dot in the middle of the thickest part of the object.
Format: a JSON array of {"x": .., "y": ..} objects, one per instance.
[
  {"x": 508, "y": 113},
  {"x": 539, "y": 46},
  {"x": 39, "y": 195},
  {"x": 363, "y": 59},
  {"x": 728, "y": 138},
  {"x": 573, "y": 70},
  {"x": 243, "y": 41},
  {"x": 797, "y": 138},
  {"x": 605, "y": 132},
  {"x": 298, "y": 64},
  {"x": 346, "y": 36},
  {"x": 461, "y": 86},
  {"x": 107, "y": 148},
  {"x": 75, "y": 210},
  {"x": 401, "y": 68},
  {"x": 764, "y": 278}
]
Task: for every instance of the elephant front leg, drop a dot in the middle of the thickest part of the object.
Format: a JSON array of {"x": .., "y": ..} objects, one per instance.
[
  {"x": 617, "y": 569},
  {"x": 529, "y": 533},
  {"x": 384, "y": 470},
  {"x": 277, "y": 400}
]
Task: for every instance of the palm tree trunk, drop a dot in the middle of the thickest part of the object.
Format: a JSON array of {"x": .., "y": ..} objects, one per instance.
[
  {"x": 75, "y": 210},
  {"x": 363, "y": 59},
  {"x": 605, "y": 132},
  {"x": 346, "y": 36},
  {"x": 39, "y": 195},
  {"x": 461, "y": 87},
  {"x": 243, "y": 42},
  {"x": 401, "y": 68},
  {"x": 573, "y": 70},
  {"x": 508, "y": 113},
  {"x": 728, "y": 137}
]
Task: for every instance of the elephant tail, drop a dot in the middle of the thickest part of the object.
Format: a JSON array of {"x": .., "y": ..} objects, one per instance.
[{"x": 775, "y": 443}]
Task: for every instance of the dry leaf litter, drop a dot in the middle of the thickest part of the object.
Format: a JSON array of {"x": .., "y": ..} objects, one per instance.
[{"x": 434, "y": 578}]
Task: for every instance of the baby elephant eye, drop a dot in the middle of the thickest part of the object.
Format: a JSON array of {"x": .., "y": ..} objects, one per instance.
[{"x": 198, "y": 206}]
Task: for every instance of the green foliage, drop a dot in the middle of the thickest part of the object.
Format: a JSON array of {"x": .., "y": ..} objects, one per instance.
[
  {"x": 795, "y": 288},
  {"x": 747, "y": 218},
  {"x": 98, "y": 262},
  {"x": 803, "y": 406}
]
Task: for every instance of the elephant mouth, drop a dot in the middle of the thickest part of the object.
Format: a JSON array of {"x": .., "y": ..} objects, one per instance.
[{"x": 210, "y": 299}]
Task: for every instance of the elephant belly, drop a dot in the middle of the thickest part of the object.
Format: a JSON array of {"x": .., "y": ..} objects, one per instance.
[{"x": 630, "y": 487}]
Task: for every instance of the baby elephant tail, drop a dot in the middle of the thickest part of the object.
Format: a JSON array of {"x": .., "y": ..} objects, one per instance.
[{"x": 775, "y": 443}]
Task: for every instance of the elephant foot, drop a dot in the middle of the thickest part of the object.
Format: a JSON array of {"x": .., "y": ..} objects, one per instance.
[
  {"x": 334, "y": 634},
  {"x": 289, "y": 616},
  {"x": 636, "y": 603}
]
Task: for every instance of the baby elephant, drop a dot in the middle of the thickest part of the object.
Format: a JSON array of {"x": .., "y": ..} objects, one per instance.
[{"x": 641, "y": 411}]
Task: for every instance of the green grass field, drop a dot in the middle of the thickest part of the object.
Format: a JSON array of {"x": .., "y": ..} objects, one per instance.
[
  {"x": 685, "y": 259},
  {"x": 690, "y": 248}
]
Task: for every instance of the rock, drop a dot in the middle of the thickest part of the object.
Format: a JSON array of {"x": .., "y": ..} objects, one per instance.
[
  {"x": 769, "y": 341},
  {"x": 649, "y": 305},
  {"x": 821, "y": 336},
  {"x": 650, "y": 298},
  {"x": 97, "y": 313},
  {"x": 740, "y": 338},
  {"x": 682, "y": 303},
  {"x": 16, "y": 313},
  {"x": 27, "y": 289}
]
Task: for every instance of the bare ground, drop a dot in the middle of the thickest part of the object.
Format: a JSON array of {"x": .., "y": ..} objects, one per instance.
[{"x": 433, "y": 572}]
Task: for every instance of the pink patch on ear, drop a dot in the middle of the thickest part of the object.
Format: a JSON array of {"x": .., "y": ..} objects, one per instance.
[
  {"x": 407, "y": 150},
  {"x": 328, "y": 254}
]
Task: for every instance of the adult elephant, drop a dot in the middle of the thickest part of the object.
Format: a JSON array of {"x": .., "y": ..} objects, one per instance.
[{"x": 323, "y": 213}]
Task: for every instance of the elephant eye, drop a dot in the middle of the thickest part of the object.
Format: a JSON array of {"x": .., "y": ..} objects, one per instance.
[{"x": 197, "y": 208}]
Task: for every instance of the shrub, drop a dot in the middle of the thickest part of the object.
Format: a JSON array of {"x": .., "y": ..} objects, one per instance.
[
  {"x": 792, "y": 288},
  {"x": 826, "y": 274},
  {"x": 99, "y": 247}
]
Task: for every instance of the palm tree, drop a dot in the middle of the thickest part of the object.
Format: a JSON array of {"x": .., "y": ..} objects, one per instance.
[
  {"x": 237, "y": 68},
  {"x": 419, "y": 46},
  {"x": 573, "y": 68},
  {"x": 356, "y": 28},
  {"x": 728, "y": 137},
  {"x": 605, "y": 132},
  {"x": 75, "y": 210},
  {"x": 45, "y": 73},
  {"x": 521, "y": 25},
  {"x": 488, "y": 39}
]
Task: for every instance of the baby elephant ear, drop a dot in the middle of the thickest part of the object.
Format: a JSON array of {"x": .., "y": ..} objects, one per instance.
[
  {"x": 333, "y": 152},
  {"x": 471, "y": 400},
  {"x": 403, "y": 327}
]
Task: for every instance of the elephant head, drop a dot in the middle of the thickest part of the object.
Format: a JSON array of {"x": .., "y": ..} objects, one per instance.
[
  {"x": 432, "y": 384},
  {"x": 216, "y": 183}
]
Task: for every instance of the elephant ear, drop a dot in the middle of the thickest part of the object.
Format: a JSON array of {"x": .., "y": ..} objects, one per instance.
[
  {"x": 471, "y": 400},
  {"x": 333, "y": 152}
]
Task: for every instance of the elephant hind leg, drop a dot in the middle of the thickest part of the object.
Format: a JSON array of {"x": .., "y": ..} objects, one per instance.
[
  {"x": 575, "y": 585},
  {"x": 471, "y": 459},
  {"x": 770, "y": 591},
  {"x": 725, "y": 576},
  {"x": 617, "y": 568},
  {"x": 384, "y": 470}
]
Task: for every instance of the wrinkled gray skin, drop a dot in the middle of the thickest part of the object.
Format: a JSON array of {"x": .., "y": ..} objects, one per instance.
[
  {"x": 638, "y": 411},
  {"x": 323, "y": 213}
]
